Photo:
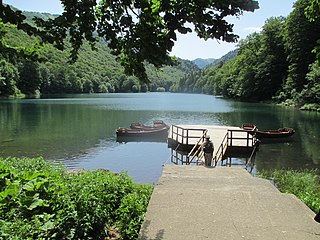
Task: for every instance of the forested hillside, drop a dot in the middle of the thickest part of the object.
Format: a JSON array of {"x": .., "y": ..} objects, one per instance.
[
  {"x": 94, "y": 71},
  {"x": 195, "y": 82},
  {"x": 202, "y": 63},
  {"x": 279, "y": 64}
]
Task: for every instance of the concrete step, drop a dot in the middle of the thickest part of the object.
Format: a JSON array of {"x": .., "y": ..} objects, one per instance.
[{"x": 222, "y": 178}]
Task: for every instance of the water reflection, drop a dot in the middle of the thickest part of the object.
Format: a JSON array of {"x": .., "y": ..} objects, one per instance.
[
  {"x": 299, "y": 151},
  {"x": 80, "y": 129},
  {"x": 184, "y": 158}
]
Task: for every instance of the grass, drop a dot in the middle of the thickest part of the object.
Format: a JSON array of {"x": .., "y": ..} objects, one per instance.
[
  {"x": 304, "y": 184},
  {"x": 39, "y": 200}
]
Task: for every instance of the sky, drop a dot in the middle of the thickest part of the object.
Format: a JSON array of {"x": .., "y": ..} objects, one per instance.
[{"x": 189, "y": 46}]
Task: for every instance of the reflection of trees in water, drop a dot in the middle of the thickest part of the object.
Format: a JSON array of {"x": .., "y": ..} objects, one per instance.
[
  {"x": 57, "y": 130},
  {"x": 263, "y": 115},
  {"x": 59, "y": 127},
  {"x": 309, "y": 129},
  {"x": 299, "y": 151}
]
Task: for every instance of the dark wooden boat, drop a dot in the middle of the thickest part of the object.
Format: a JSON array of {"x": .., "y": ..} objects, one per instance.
[
  {"x": 249, "y": 127},
  {"x": 279, "y": 133},
  {"x": 139, "y": 132},
  {"x": 156, "y": 124},
  {"x": 126, "y": 132}
]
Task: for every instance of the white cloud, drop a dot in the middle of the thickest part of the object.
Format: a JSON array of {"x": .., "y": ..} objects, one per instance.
[{"x": 252, "y": 29}]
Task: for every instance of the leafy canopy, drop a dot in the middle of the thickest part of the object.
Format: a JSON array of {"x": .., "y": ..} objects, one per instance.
[
  {"x": 136, "y": 31},
  {"x": 313, "y": 14}
]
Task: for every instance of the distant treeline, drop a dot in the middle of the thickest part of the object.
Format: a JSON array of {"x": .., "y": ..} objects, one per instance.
[
  {"x": 278, "y": 64},
  {"x": 93, "y": 72}
]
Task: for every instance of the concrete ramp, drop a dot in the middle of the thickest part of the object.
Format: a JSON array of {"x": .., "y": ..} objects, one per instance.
[{"x": 195, "y": 202}]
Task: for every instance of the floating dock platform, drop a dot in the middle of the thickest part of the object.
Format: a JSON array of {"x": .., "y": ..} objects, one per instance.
[{"x": 227, "y": 140}]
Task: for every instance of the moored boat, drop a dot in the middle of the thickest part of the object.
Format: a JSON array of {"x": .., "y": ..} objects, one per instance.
[
  {"x": 156, "y": 124},
  {"x": 278, "y": 133},
  {"x": 126, "y": 132},
  {"x": 140, "y": 132},
  {"x": 249, "y": 127}
]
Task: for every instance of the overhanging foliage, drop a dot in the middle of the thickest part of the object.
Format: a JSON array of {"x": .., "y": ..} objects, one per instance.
[{"x": 136, "y": 31}]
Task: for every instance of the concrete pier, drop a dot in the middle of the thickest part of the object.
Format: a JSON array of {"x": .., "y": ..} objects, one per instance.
[{"x": 195, "y": 202}]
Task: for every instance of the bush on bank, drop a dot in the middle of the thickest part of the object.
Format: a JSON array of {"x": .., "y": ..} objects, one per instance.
[
  {"x": 39, "y": 200},
  {"x": 304, "y": 184}
]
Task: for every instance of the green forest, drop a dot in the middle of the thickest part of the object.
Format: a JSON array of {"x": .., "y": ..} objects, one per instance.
[
  {"x": 277, "y": 64},
  {"x": 47, "y": 70}
]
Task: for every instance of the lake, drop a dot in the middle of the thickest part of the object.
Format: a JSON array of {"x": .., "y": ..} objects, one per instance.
[{"x": 79, "y": 130}]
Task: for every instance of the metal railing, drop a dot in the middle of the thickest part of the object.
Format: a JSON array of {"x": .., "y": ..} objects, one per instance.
[
  {"x": 229, "y": 140},
  {"x": 250, "y": 162},
  {"x": 190, "y": 136},
  {"x": 185, "y": 136},
  {"x": 196, "y": 151},
  {"x": 221, "y": 150},
  {"x": 250, "y": 140}
]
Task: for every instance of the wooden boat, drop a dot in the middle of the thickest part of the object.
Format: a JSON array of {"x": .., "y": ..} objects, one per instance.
[
  {"x": 156, "y": 124},
  {"x": 139, "y": 132},
  {"x": 279, "y": 133},
  {"x": 249, "y": 127}
]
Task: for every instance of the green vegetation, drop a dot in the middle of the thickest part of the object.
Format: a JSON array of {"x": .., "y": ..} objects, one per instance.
[
  {"x": 39, "y": 200},
  {"x": 137, "y": 31},
  {"x": 93, "y": 72},
  {"x": 304, "y": 184},
  {"x": 280, "y": 63}
]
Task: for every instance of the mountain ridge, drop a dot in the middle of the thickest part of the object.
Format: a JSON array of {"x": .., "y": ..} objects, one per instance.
[{"x": 203, "y": 62}]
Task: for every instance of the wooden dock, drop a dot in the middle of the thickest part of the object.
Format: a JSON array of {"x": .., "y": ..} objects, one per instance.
[{"x": 226, "y": 139}]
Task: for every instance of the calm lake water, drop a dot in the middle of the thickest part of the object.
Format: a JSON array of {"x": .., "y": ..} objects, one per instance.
[{"x": 79, "y": 130}]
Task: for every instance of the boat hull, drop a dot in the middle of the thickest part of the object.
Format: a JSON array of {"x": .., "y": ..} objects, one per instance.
[
  {"x": 274, "y": 134},
  {"x": 156, "y": 125},
  {"x": 269, "y": 134},
  {"x": 139, "y": 135}
]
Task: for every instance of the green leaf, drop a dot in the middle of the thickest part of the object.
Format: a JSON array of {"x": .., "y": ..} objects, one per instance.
[
  {"x": 155, "y": 5},
  {"x": 12, "y": 190},
  {"x": 37, "y": 202},
  {"x": 4, "y": 175},
  {"x": 47, "y": 226},
  {"x": 29, "y": 186}
]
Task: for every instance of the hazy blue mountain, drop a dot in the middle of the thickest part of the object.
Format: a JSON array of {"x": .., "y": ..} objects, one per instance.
[
  {"x": 202, "y": 63},
  {"x": 230, "y": 55}
]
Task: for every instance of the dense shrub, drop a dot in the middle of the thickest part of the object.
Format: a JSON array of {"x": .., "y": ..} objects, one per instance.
[
  {"x": 39, "y": 200},
  {"x": 304, "y": 184}
]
